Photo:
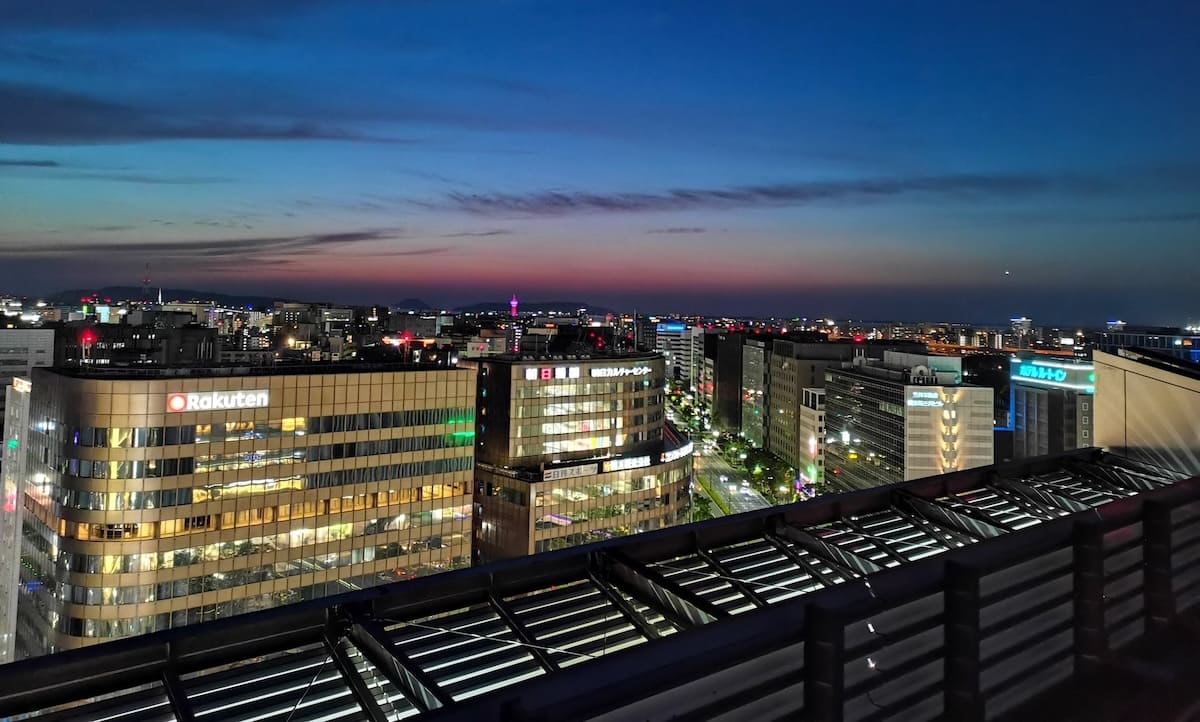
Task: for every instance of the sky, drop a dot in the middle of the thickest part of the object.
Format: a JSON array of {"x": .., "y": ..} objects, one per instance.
[{"x": 917, "y": 160}]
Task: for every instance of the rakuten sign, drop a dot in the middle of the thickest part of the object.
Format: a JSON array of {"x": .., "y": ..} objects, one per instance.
[{"x": 218, "y": 400}]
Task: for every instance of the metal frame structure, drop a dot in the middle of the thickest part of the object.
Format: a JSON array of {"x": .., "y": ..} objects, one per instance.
[{"x": 911, "y": 600}]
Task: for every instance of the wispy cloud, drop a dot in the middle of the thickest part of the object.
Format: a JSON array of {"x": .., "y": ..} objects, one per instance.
[
  {"x": 675, "y": 230},
  {"x": 948, "y": 187},
  {"x": 206, "y": 248},
  {"x": 37, "y": 115},
  {"x": 478, "y": 234},
  {"x": 208, "y": 14},
  {"x": 1185, "y": 217},
  {"x": 18, "y": 163}
]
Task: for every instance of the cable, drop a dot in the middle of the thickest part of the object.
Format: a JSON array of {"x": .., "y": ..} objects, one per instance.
[
  {"x": 310, "y": 684},
  {"x": 510, "y": 642}
]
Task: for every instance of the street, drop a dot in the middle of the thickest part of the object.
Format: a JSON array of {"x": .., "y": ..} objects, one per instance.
[{"x": 730, "y": 494}]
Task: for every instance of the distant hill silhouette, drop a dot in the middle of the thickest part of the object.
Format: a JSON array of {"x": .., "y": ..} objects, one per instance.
[
  {"x": 413, "y": 304},
  {"x": 134, "y": 293},
  {"x": 528, "y": 306}
]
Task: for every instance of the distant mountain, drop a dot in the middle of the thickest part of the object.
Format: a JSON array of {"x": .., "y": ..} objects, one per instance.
[
  {"x": 413, "y": 304},
  {"x": 134, "y": 293},
  {"x": 533, "y": 306}
]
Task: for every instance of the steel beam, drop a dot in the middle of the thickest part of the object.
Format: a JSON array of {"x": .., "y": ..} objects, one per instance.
[
  {"x": 371, "y": 639},
  {"x": 518, "y": 627},
  {"x": 798, "y": 560},
  {"x": 644, "y": 626},
  {"x": 1157, "y": 572},
  {"x": 648, "y": 584},
  {"x": 884, "y": 545},
  {"x": 1091, "y": 638},
  {"x": 1043, "y": 495},
  {"x": 957, "y": 515},
  {"x": 181, "y": 706},
  {"x": 849, "y": 562},
  {"x": 746, "y": 588},
  {"x": 358, "y": 686},
  {"x": 964, "y": 699}
]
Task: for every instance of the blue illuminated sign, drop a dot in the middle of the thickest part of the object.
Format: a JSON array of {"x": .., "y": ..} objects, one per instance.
[
  {"x": 671, "y": 328},
  {"x": 1042, "y": 373},
  {"x": 1080, "y": 377}
]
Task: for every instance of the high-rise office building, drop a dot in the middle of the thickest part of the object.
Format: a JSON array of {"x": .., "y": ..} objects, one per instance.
[
  {"x": 755, "y": 354},
  {"x": 674, "y": 343},
  {"x": 159, "y": 498},
  {"x": 1052, "y": 406},
  {"x": 792, "y": 368},
  {"x": 21, "y": 351},
  {"x": 572, "y": 450},
  {"x": 810, "y": 464},
  {"x": 908, "y": 417},
  {"x": 12, "y": 485}
]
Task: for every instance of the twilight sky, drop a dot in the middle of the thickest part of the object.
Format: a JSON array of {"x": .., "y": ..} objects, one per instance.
[{"x": 942, "y": 160}]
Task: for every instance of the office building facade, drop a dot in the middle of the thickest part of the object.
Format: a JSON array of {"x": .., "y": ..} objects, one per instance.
[
  {"x": 755, "y": 355},
  {"x": 573, "y": 450},
  {"x": 1148, "y": 408},
  {"x": 12, "y": 487},
  {"x": 792, "y": 369},
  {"x": 674, "y": 343},
  {"x": 156, "y": 499},
  {"x": 21, "y": 351},
  {"x": 1052, "y": 406},
  {"x": 810, "y": 464},
  {"x": 905, "y": 418}
]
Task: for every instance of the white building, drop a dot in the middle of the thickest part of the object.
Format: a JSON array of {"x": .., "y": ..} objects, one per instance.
[
  {"x": 907, "y": 417},
  {"x": 673, "y": 341},
  {"x": 12, "y": 474},
  {"x": 22, "y": 350}
]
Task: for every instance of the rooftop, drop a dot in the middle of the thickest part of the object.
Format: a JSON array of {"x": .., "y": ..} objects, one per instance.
[
  {"x": 970, "y": 595},
  {"x": 122, "y": 373}
]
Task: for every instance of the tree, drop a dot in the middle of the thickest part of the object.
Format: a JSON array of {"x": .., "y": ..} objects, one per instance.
[{"x": 701, "y": 507}]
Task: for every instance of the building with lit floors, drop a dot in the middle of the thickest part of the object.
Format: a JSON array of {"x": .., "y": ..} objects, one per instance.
[
  {"x": 672, "y": 340},
  {"x": 155, "y": 499},
  {"x": 12, "y": 476},
  {"x": 21, "y": 351},
  {"x": 574, "y": 449},
  {"x": 811, "y": 455},
  {"x": 907, "y": 417},
  {"x": 1052, "y": 406}
]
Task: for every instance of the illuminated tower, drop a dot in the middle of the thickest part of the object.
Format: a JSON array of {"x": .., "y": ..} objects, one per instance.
[{"x": 514, "y": 327}]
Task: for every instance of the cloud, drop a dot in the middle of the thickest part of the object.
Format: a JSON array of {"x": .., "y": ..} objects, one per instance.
[
  {"x": 37, "y": 115},
  {"x": 949, "y": 187},
  {"x": 208, "y": 14},
  {"x": 202, "y": 249},
  {"x": 110, "y": 229},
  {"x": 676, "y": 230},
  {"x": 18, "y": 163},
  {"x": 1162, "y": 218},
  {"x": 478, "y": 234}
]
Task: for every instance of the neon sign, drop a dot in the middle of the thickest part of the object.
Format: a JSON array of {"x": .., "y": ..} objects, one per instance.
[
  {"x": 636, "y": 462},
  {"x": 618, "y": 371},
  {"x": 1042, "y": 373},
  {"x": 218, "y": 400},
  {"x": 550, "y": 373},
  {"x": 924, "y": 398},
  {"x": 1079, "y": 377}
]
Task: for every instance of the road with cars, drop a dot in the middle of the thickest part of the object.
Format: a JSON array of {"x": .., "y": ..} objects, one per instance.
[{"x": 724, "y": 482}]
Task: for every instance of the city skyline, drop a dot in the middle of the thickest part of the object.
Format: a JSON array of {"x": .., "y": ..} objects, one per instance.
[{"x": 681, "y": 157}]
